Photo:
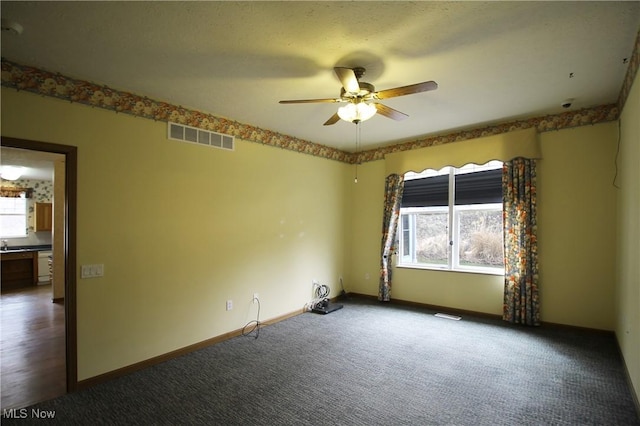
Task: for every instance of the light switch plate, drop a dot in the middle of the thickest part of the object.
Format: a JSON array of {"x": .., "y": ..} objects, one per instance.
[{"x": 92, "y": 271}]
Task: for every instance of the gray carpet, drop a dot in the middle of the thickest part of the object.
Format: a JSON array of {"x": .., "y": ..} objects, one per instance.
[{"x": 372, "y": 364}]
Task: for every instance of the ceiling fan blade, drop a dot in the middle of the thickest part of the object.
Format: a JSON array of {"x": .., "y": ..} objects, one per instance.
[
  {"x": 311, "y": 101},
  {"x": 333, "y": 120},
  {"x": 348, "y": 79},
  {"x": 390, "y": 112},
  {"x": 407, "y": 90}
]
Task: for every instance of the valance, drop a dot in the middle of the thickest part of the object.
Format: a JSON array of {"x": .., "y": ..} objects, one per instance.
[
  {"x": 11, "y": 192},
  {"x": 503, "y": 147}
]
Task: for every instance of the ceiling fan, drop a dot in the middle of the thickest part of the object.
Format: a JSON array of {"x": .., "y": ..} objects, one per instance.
[{"x": 361, "y": 97}]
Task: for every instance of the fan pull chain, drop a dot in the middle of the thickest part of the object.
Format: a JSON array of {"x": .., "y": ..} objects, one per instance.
[{"x": 357, "y": 144}]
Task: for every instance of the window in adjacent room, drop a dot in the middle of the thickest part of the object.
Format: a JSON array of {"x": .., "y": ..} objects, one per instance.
[
  {"x": 451, "y": 219},
  {"x": 13, "y": 217}
]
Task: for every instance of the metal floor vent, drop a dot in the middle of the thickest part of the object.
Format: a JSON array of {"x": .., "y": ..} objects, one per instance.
[
  {"x": 447, "y": 316},
  {"x": 184, "y": 133}
]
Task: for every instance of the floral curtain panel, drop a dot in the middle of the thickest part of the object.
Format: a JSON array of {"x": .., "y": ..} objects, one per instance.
[
  {"x": 394, "y": 186},
  {"x": 521, "y": 302}
]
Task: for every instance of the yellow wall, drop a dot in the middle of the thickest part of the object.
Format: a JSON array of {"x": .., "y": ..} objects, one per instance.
[
  {"x": 181, "y": 228},
  {"x": 576, "y": 226},
  {"x": 576, "y": 230},
  {"x": 59, "y": 262},
  {"x": 628, "y": 245},
  {"x": 365, "y": 227}
]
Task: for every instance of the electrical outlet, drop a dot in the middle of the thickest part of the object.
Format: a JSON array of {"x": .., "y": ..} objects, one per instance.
[
  {"x": 229, "y": 305},
  {"x": 256, "y": 297}
]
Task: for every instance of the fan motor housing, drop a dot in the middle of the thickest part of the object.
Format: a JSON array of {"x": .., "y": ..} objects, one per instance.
[{"x": 365, "y": 90}]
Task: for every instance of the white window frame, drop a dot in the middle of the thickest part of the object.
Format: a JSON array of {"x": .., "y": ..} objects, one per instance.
[
  {"x": 25, "y": 214},
  {"x": 411, "y": 211},
  {"x": 455, "y": 239},
  {"x": 453, "y": 232}
]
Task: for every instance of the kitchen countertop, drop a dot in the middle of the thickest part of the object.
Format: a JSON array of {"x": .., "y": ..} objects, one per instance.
[{"x": 17, "y": 249}]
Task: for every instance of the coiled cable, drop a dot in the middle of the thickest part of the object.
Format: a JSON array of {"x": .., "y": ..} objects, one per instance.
[{"x": 253, "y": 326}]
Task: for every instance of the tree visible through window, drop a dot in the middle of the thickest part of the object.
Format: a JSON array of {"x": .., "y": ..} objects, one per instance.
[
  {"x": 13, "y": 217},
  {"x": 452, "y": 219}
]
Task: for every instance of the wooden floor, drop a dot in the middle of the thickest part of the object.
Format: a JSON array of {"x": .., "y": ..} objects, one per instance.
[{"x": 32, "y": 347}]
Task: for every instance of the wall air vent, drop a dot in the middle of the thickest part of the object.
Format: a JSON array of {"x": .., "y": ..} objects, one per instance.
[{"x": 190, "y": 134}]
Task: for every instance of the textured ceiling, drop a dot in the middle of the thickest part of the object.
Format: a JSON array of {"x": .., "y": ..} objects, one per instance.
[
  {"x": 493, "y": 61},
  {"x": 37, "y": 165}
]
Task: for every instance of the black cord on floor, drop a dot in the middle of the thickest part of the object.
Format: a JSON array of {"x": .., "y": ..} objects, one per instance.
[{"x": 252, "y": 326}]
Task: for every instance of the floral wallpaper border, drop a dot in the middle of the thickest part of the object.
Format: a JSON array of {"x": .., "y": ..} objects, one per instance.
[
  {"x": 30, "y": 79},
  {"x": 632, "y": 70},
  {"x": 547, "y": 123},
  {"x": 46, "y": 83}
]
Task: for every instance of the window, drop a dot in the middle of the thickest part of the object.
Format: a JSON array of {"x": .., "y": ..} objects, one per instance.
[
  {"x": 13, "y": 217},
  {"x": 452, "y": 219}
]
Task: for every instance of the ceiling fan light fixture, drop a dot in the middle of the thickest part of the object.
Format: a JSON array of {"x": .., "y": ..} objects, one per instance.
[
  {"x": 357, "y": 112},
  {"x": 362, "y": 98},
  {"x": 11, "y": 172}
]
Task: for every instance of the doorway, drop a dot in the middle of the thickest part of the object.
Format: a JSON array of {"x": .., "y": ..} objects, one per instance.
[{"x": 68, "y": 252}]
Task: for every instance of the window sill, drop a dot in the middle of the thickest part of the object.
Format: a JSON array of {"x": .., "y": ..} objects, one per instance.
[{"x": 445, "y": 269}]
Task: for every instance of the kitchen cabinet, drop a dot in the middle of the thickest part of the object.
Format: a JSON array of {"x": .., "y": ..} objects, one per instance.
[
  {"x": 19, "y": 269},
  {"x": 43, "y": 217}
]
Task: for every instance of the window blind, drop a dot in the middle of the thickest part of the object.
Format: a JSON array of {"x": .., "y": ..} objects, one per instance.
[
  {"x": 470, "y": 188},
  {"x": 479, "y": 187}
]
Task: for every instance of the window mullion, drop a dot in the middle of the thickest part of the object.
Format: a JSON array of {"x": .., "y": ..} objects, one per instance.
[
  {"x": 455, "y": 247},
  {"x": 452, "y": 192},
  {"x": 412, "y": 237}
]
